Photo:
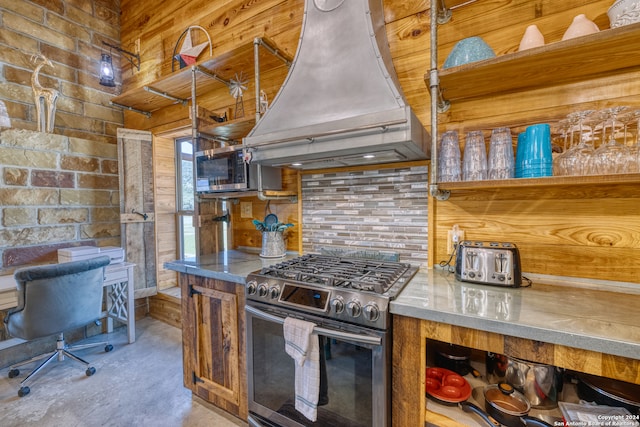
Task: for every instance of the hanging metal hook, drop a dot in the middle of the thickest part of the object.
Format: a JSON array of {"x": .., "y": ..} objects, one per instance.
[
  {"x": 143, "y": 215},
  {"x": 224, "y": 218}
]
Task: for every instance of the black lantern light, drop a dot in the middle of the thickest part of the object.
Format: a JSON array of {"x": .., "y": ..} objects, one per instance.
[
  {"x": 106, "y": 71},
  {"x": 107, "y": 76}
]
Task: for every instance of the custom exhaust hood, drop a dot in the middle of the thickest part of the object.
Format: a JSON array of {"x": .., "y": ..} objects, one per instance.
[{"x": 341, "y": 104}]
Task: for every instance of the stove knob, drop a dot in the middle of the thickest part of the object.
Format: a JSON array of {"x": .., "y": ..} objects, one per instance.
[
  {"x": 354, "y": 309},
  {"x": 274, "y": 292},
  {"x": 262, "y": 290},
  {"x": 252, "y": 287},
  {"x": 371, "y": 312},
  {"x": 337, "y": 304}
]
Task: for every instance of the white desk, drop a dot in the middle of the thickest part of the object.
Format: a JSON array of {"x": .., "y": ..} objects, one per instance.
[{"x": 119, "y": 288}]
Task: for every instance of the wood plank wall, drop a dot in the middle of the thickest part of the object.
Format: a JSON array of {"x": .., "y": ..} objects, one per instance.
[
  {"x": 575, "y": 231},
  {"x": 158, "y": 24},
  {"x": 245, "y": 233}
]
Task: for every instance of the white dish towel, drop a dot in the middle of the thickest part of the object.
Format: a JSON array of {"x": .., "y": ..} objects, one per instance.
[{"x": 302, "y": 346}]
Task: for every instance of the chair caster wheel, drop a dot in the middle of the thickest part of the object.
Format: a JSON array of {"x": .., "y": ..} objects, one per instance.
[
  {"x": 23, "y": 391},
  {"x": 90, "y": 371},
  {"x": 14, "y": 373},
  {"x": 108, "y": 348}
]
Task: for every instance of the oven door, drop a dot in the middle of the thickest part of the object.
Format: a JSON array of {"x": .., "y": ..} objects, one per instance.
[{"x": 354, "y": 379}]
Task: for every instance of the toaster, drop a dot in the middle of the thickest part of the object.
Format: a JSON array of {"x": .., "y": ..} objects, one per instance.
[{"x": 489, "y": 263}]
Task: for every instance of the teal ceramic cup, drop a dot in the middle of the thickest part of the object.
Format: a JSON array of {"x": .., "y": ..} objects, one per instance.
[{"x": 533, "y": 153}]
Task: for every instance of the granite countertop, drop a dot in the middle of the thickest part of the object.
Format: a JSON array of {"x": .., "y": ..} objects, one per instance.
[
  {"x": 232, "y": 266},
  {"x": 572, "y": 313}
]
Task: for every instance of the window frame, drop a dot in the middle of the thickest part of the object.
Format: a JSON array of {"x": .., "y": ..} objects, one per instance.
[{"x": 182, "y": 213}]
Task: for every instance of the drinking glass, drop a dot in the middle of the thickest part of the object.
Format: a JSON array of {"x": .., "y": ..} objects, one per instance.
[
  {"x": 559, "y": 162},
  {"x": 634, "y": 149},
  {"x": 610, "y": 157},
  {"x": 474, "y": 163},
  {"x": 449, "y": 158},
  {"x": 520, "y": 147},
  {"x": 500, "y": 163},
  {"x": 579, "y": 156},
  {"x": 630, "y": 163}
]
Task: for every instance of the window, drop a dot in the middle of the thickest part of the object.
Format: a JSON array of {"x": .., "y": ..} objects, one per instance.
[{"x": 185, "y": 199}]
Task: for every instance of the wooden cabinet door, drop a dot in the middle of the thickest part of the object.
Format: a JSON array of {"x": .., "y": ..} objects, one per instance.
[
  {"x": 137, "y": 217},
  {"x": 213, "y": 337}
]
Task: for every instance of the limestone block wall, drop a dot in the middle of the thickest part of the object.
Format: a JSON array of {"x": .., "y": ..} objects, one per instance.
[
  {"x": 70, "y": 34},
  {"x": 55, "y": 191}
]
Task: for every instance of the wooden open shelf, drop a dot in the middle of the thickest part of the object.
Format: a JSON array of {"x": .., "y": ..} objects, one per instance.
[
  {"x": 178, "y": 83},
  {"x": 232, "y": 129},
  {"x": 595, "y": 180},
  {"x": 591, "y": 56}
]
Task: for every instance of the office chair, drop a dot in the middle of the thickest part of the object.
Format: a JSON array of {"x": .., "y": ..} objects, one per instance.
[{"x": 52, "y": 299}]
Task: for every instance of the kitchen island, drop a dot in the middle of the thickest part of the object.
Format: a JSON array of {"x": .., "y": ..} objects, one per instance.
[{"x": 583, "y": 325}]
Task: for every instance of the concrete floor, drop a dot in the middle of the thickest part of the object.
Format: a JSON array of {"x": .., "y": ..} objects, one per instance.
[{"x": 137, "y": 384}]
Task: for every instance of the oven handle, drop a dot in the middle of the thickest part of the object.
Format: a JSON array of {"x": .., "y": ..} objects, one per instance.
[{"x": 329, "y": 333}]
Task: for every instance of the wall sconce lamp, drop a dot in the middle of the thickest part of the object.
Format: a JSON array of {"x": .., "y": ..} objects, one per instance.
[
  {"x": 106, "y": 64},
  {"x": 106, "y": 71}
]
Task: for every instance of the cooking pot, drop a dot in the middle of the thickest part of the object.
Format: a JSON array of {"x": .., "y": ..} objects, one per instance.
[
  {"x": 508, "y": 406},
  {"x": 539, "y": 383},
  {"x": 606, "y": 391},
  {"x": 455, "y": 358}
]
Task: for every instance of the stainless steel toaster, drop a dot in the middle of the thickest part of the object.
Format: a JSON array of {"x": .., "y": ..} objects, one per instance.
[{"x": 489, "y": 263}]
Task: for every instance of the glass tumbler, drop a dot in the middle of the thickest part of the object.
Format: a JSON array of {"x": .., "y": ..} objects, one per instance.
[
  {"x": 500, "y": 163},
  {"x": 474, "y": 162},
  {"x": 449, "y": 168}
]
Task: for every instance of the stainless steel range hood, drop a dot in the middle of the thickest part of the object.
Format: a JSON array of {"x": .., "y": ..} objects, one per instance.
[{"x": 341, "y": 103}]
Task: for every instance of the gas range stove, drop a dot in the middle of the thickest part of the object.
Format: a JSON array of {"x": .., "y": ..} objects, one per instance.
[{"x": 353, "y": 290}]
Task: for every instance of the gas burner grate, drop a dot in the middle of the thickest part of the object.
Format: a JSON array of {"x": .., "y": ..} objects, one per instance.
[{"x": 353, "y": 273}]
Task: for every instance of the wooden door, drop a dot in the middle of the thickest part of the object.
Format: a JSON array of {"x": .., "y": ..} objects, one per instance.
[
  {"x": 137, "y": 212},
  {"x": 213, "y": 342}
]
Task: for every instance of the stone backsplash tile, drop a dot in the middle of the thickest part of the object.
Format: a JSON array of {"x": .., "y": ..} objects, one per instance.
[{"x": 383, "y": 209}]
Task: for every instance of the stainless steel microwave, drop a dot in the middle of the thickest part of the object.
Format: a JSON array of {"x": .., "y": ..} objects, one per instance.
[{"x": 224, "y": 169}]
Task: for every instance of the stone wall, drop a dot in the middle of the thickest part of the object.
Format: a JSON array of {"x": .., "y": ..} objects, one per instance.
[
  {"x": 70, "y": 34},
  {"x": 56, "y": 192}
]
